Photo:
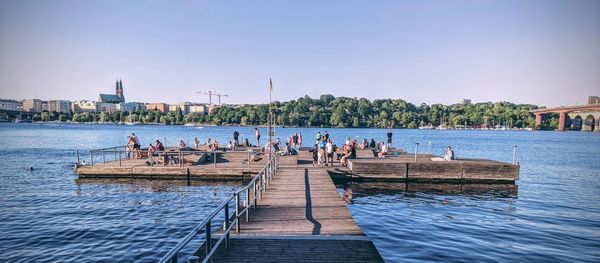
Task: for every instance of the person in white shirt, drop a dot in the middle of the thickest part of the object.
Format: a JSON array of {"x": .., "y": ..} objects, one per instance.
[{"x": 329, "y": 149}]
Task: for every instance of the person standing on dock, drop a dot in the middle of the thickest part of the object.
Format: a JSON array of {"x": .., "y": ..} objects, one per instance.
[
  {"x": 196, "y": 143},
  {"x": 389, "y": 137},
  {"x": 329, "y": 151},
  {"x": 236, "y": 142},
  {"x": 326, "y": 136},
  {"x": 257, "y": 134},
  {"x": 318, "y": 137},
  {"x": 295, "y": 141},
  {"x": 299, "y": 140},
  {"x": 136, "y": 146}
]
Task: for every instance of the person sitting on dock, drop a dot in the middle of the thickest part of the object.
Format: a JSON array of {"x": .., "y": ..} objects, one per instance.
[
  {"x": 449, "y": 154},
  {"x": 181, "y": 144},
  {"x": 151, "y": 153},
  {"x": 372, "y": 143},
  {"x": 383, "y": 152},
  {"x": 161, "y": 149},
  {"x": 246, "y": 142},
  {"x": 347, "y": 152}
]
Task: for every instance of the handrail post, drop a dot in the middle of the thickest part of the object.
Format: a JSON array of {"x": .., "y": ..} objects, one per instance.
[
  {"x": 237, "y": 213},
  {"x": 247, "y": 205},
  {"x": 208, "y": 239},
  {"x": 77, "y": 153},
  {"x": 416, "y": 151},
  {"x": 92, "y": 158},
  {"x": 115, "y": 153},
  {"x": 215, "y": 158},
  {"x": 227, "y": 224},
  {"x": 255, "y": 199},
  {"x": 262, "y": 184},
  {"x": 120, "y": 158},
  {"x": 515, "y": 155},
  {"x": 103, "y": 157}
]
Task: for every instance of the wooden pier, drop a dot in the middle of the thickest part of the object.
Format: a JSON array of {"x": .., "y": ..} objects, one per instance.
[
  {"x": 301, "y": 218},
  {"x": 195, "y": 166}
]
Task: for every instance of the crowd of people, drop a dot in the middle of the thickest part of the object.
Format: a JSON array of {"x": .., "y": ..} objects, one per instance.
[{"x": 324, "y": 151}]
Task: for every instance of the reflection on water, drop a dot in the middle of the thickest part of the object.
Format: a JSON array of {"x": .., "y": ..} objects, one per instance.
[{"x": 392, "y": 188}]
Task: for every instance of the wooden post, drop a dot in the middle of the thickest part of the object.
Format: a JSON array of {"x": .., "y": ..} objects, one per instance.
[
  {"x": 188, "y": 176},
  {"x": 416, "y": 151},
  {"x": 120, "y": 158},
  {"x": 227, "y": 224},
  {"x": 255, "y": 199},
  {"x": 103, "y": 157},
  {"x": 515, "y": 155},
  {"x": 215, "y": 158},
  {"x": 77, "y": 153},
  {"x": 208, "y": 239},
  {"x": 237, "y": 212},
  {"x": 247, "y": 205},
  {"x": 92, "y": 158}
]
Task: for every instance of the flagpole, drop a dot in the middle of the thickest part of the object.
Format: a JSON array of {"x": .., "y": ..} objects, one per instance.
[{"x": 270, "y": 118}]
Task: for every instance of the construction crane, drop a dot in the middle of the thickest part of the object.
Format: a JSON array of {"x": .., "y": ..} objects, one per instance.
[
  {"x": 210, "y": 93},
  {"x": 221, "y": 95}
]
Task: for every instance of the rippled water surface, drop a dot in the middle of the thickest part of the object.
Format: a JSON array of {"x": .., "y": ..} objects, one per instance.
[{"x": 552, "y": 214}]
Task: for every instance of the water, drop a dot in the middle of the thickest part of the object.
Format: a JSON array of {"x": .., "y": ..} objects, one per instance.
[{"x": 47, "y": 215}]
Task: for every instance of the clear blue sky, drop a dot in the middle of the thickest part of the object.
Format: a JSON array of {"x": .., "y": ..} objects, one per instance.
[{"x": 543, "y": 52}]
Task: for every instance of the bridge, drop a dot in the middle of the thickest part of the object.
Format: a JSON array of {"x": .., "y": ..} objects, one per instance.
[
  {"x": 579, "y": 118},
  {"x": 19, "y": 115}
]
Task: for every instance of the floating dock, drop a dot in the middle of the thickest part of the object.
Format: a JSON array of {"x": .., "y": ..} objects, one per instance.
[
  {"x": 238, "y": 165},
  {"x": 424, "y": 168}
]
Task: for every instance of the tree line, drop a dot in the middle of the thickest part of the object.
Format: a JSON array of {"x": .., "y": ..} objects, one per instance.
[{"x": 330, "y": 111}]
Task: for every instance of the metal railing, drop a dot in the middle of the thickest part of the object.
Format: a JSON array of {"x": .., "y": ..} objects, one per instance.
[
  {"x": 170, "y": 157},
  {"x": 252, "y": 192}
]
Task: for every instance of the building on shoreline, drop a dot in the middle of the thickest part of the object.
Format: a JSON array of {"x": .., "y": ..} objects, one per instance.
[
  {"x": 32, "y": 105},
  {"x": 82, "y": 106},
  {"x": 60, "y": 106},
  {"x": 11, "y": 105},
  {"x": 130, "y": 106},
  {"x": 161, "y": 107}
]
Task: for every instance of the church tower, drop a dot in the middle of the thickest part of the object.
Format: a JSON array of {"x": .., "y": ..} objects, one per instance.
[{"x": 119, "y": 90}]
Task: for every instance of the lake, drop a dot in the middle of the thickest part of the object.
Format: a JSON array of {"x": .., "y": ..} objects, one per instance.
[{"x": 552, "y": 214}]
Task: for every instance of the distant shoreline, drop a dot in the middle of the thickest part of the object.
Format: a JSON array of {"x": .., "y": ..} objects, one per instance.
[{"x": 261, "y": 126}]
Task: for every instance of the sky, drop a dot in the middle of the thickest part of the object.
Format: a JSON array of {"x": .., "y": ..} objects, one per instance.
[{"x": 542, "y": 52}]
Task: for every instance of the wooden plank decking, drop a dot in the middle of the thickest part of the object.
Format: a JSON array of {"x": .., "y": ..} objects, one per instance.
[{"x": 301, "y": 218}]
